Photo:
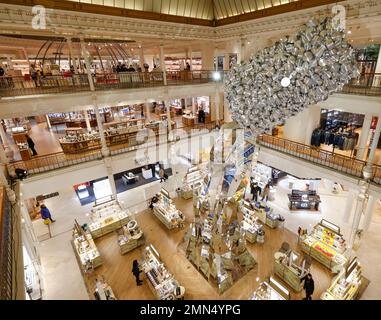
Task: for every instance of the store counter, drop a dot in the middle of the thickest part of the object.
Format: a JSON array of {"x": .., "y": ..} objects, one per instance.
[
  {"x": 107, "y": 217},
  {"x": 161, "y": 282},
  {"x": 326, "y": 245},
  {"x": 130, "y": 237},
  {"x": 304, "y": 200},
  {"x": 291, "y": 268},
  {"x": 166, "y": 211},
  {"x": 346, "y": 285},
  {"x": 188, "y": 120},
  {"x": 271, "y": 290}
]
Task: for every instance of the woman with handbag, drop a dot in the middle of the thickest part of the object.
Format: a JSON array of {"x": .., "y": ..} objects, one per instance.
[{"x": 45, "y": 214}]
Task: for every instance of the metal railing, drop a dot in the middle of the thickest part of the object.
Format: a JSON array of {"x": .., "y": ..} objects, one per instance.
[
  {"x": 20, "y": 86},
  {"x": 347, "y": 165},
  {"x": 46, "y": 163}
]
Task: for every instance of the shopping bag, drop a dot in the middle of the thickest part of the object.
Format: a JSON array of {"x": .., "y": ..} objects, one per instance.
[{"x": 47, "y": 221}]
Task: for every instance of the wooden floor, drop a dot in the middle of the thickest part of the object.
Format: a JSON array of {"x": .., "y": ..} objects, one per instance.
[{"x": 117, "y": 268}]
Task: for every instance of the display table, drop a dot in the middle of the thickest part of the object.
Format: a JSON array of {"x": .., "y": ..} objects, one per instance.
[
  {"x": 85, "y": 250},
  {"x": 271, "y": 290},
  {"x": 188, "y": 120},
  {"x": 106, "y": 217},
  {"x": 307, "y": 200},
  {"x": 250, "y": 223},
  {"x": 346, "y": 285},
  {"x": 291, "y": 269},
  {"x": 130, "y": 237},
  {"x": 161, "y": 282},
  {"x": 166, "y": 211},
  {"x": 326, "y": 245}
]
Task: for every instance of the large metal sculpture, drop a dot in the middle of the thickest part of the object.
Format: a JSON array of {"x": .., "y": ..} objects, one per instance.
[{"x": 297, "y": 71}]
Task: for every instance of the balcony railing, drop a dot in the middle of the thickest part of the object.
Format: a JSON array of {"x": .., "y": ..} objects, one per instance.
[
  {"x": 21, "y": 86},
  {"x": 347, "y": 165},
  {"x": 368, "y": 84},
  {"x": 46, "y": 163}
]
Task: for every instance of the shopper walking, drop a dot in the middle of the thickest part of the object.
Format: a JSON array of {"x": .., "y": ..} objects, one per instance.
[
  {"x": 266, "y": 192},
  {"x": 45, "y": 213},
  {"x": 31, "y": 145},
  {"x": 309, "y": 286},
  {"x": 136, "y": 272},
  {"x": 162, "y": 174}
]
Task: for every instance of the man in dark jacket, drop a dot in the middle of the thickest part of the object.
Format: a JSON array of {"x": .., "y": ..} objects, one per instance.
[
  {"x": 136, "y": 272},
  {"x": 309, "y": 286},
  {"x": 31, "y": 145}
]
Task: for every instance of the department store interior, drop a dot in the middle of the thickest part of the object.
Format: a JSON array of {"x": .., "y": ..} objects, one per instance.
[{"x": 160, "y": 136}]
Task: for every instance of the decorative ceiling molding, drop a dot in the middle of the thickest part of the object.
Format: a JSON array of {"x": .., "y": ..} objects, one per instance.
[{"x": 17, "y": 20}]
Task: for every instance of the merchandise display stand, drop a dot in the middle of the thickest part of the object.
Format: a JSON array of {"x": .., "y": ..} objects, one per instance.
[
  {"x": 161, "y": 282},
  {"x": 103, "y": 290},
  {"x": 130, "y": 237},
  {"x": 166, "y": 211},
  {"x": 250, "y": 223},
  {"x": 271, "y": 290},
  {"x": 107, "y": 215},
  {"x": 192, "y": 180},
  {"x": 346, "y": 285},
  {"x": 304, "y": 200},
  {"x": 325, "y": 243},
  {"x": 291, "y": 268},
  {"x": 266, "y": 214},
  {"x": 85, "y": 249}
]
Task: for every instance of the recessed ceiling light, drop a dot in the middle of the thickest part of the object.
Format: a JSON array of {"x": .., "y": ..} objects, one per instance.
[{"x": 349, "y": 32}]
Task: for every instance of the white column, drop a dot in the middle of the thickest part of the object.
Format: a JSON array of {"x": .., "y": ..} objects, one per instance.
[
  {"x": 148, "y": 114},
  {"x": 4, "y": 137},
  {"x": 169, "y": 120},
  {"x": 26, "y": 56},
  {"x": 312, "y": 122},
  {"x": 376, "y": 137},
  {"x": 349, "y": 206},
  {"x": 110, "y": 175},
  {"x": 359, "y": 208},
  {"x": 3, "y": 156},
  {"x": 364, "y": 137},
  {"x": 226, "y": 61},
  {"x": 207, "y": 57},
  {"x": 141, "y": 58},
  {"x": 213, "y": 108},
  {"x": 368, "y": 212},
  {"x": 87, "y": 120},
  {"x": 48, "y": 121},
  {"x": 217, "y": 105},
  {"x": 194, "y": 108},
  {"x": 105, "y": 149},
  {"x": 377, "y": 80},
  {"x": 191, "y": 59},
  {"x": 71, "y": 57},
  {"x": 162, "y": 64},
  {"x": 87, "y": 62}
]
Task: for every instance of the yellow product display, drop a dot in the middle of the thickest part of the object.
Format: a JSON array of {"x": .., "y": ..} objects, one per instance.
[
  {"x": 326, "y": 250},
  {"x": 328, "y": 237}
]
